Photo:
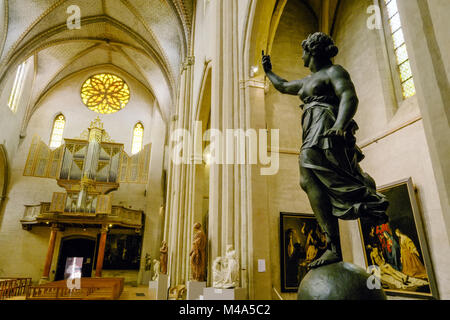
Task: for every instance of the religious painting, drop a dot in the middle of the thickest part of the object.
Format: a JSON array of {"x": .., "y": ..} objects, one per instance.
[
  {"x": 122, "y": 252},
  {"x": 302, "y": 241},
  {"x": 398, "y": 249}
]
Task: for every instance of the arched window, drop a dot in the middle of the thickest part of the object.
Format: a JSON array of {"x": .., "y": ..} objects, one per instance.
[
  {"x": 399, "y": 46},
  {"x": 57, "y": 132},
  {"x": 138, "y": 138},
  {"x": 17, "y": 87}
]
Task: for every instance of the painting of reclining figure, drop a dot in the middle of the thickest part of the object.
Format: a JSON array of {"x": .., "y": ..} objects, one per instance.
[{"x": 398, "y": 249}]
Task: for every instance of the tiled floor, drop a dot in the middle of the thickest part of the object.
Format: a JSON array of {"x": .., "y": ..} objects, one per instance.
[{"x": 135, "y": 293}]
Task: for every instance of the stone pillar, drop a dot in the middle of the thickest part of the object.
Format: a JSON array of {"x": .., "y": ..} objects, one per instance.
[
  {"x": 50, "y": 250},
  {"x": 260, "y": 284},
  {"x": 227, "y": 206},
  {"x": 101, "y": 251},
  {"x": 178, "y": 228},
  {"x": 325, "y": 17}
]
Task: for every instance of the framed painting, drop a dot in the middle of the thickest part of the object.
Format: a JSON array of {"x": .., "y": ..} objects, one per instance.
[
  {"x": 398, "y": 249},
  {"x": 301, "y": 242}
]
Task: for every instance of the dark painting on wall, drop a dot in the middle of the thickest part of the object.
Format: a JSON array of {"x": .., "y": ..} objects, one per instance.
[
  {"x": 122, "y": 252},
  {"x": 302, "y": 241},
  {"x": 398, "y": 249}
]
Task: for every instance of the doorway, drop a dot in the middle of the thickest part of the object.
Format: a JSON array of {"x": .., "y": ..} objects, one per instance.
[{"x": 81, "y": 248}]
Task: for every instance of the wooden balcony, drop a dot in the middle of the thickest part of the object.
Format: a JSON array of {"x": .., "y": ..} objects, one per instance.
[{"x": 35, "y": 215}]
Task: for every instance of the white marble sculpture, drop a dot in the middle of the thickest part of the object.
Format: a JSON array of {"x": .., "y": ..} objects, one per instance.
[
  {"x": 226, "y": 270},
  {"x": 156, "y": 265}
]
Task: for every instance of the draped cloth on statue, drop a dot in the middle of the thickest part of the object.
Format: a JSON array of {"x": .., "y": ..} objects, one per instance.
[{"x": 335, "y": 162}]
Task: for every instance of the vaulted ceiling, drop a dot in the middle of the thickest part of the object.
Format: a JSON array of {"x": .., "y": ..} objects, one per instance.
[
  {"x": 318, "y": 7},
  {"x": 147, "y": 39}
]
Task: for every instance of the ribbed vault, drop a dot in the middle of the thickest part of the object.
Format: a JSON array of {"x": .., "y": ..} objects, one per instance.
[{"x": 147, "y": 39}]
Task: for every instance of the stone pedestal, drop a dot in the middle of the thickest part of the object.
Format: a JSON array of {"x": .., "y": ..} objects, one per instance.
[
  {"x": 146, "y": 277},
  {"x": 158, "y": 289},
  {"x": 223, "y": 294},
  {"x": 195, "y": 289}
]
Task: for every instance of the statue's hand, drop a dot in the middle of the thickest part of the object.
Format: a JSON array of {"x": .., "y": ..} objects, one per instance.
[
  {"x": 266, "y": 62},
  {"x": 334, "y": 132}
]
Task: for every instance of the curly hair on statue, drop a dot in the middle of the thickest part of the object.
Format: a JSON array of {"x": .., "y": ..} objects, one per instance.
[{"x": 320, "y": 45}]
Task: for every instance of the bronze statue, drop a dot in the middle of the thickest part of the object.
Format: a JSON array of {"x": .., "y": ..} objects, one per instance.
[
  {"x": 198, "y": 254},
  {"x": 336, "y": 186},
  {"x": 163, "y": 257}
]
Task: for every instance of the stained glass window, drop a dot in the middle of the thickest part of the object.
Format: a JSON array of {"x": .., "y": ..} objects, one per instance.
[
  {"x": 401, "y": 53},
  {"x": 17, "y": 88},
  {"x": 105, "y": 93},
  {"x": 138, "y": 138},
  {"x": 57, "y": 132}
]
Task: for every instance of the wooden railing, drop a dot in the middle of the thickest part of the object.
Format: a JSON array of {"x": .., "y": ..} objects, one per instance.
[
  {"x": 13, "y": 287},
  {"x": 40, "y": 214},
  {"x": 90, "y": 289},
  {"x": 58, "y": 293}
]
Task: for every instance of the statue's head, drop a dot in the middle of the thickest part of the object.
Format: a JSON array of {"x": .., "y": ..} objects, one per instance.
[
  {"x": 320, "y": 46},
  {"x": 197, "y": 226}
]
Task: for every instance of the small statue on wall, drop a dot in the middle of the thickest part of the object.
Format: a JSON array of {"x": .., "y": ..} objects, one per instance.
[
  {"x": 163, "y": 257},
  {"x": 148, "y": 262},
  {"x": 156, "y": 270},
  {"x": 226, "y": 270},
  {"x": 198, "y": 254}
]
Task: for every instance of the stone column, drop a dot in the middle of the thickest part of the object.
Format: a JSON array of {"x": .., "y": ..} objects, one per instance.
[
  {"x": 101, "y": 251},
  {"x": 260, "y": 284},
  {"x": 227, "y": 205},
  {"x": 51, "y": 248},
  {"x": 325, "y": 16},
  {"x": 179, "y": 191}
]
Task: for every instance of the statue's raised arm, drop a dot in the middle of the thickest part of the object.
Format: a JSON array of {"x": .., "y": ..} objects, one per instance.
[{"x": 282, "y": 85}]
